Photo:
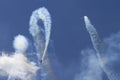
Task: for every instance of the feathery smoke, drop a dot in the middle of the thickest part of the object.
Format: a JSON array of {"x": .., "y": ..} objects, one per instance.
[
  {"x": 35, "y": 29},
  {"x": 41, "y": 36},
  {"x": 99, "y": 50}
]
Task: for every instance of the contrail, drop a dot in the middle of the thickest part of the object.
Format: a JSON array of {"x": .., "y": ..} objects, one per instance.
[
  {"x": 98, "y": 46},
  {"x": 41, "y": 37}
]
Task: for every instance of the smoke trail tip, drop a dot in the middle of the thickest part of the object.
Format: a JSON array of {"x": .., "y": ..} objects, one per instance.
[
  {"x": 85, "y": 17},
  {"x": 87, "y": 21}
]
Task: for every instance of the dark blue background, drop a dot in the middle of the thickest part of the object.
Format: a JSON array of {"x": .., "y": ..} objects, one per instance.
[{"x": 68, "y": 29}]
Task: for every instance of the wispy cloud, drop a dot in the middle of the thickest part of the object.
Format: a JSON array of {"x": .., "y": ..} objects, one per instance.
[{"x": 89, "y": 66}]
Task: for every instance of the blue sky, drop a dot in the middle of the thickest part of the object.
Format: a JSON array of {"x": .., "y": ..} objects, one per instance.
[{"x": 68, "y": 30}]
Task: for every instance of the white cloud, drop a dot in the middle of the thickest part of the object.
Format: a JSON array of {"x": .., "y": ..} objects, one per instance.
[
  {"x": 17, "y": 66},
  {"x": 20, "y": 43}
]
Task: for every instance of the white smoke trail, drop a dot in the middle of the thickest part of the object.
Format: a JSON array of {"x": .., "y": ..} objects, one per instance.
[
  {"x": 41, "y": 14},
  {"x": 99, "y": 50},
  {"x": 41, "y": 44}
]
